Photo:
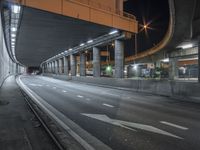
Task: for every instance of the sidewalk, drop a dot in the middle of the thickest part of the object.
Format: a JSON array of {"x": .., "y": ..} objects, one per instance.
[{"x": 19, "y": 128}]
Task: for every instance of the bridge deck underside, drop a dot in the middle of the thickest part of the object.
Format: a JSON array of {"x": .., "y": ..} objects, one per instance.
[{"x": 43, "y": 35}]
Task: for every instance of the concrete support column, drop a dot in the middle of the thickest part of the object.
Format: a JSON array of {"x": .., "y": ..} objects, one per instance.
[
  {"x": 60, "y": 66},
  {"x": 82, "y": 64},
  {"x": 51, "y": 67},
  {"x": 119, "y": 59},
  {"x": 17, "y": 66},
  {"x": 199, "y": 59},
  {"x": 56, "y": 66},
  {"x": 96, "y": 62},
  {"x": 73, "y": 65},
  {"x": 66, "y": 66},
  {"x": 48, "y": 68},
  {"x": 173, "y": 69}
]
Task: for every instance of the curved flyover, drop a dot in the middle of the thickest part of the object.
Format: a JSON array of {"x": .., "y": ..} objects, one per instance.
[{"x": 182, "y": 13}]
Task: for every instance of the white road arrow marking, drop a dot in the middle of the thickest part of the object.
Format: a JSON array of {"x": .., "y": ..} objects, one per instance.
[
  {"x": 174, "y": 125},
  {"x": 130, "y": 125}
]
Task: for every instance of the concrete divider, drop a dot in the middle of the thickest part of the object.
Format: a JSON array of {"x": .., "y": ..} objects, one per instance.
[{"x": 187, "y": 91}]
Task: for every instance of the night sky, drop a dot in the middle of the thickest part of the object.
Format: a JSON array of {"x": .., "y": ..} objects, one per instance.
[{"x": 154, "y": 11}]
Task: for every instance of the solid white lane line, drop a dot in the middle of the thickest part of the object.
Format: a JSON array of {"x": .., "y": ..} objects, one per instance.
[
  {"x": 64, "y": 91},
  {"x": 174, "y": 125},
  {"x": 108, "y": 105},
  {"x": 79, "y": 96}
]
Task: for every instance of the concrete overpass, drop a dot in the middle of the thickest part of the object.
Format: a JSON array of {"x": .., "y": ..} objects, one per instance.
[
  {"x": 85, "y": 113},
  {"x": 184, "y": 19}
]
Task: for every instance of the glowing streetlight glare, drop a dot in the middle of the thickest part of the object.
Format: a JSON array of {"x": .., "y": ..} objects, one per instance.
[{"x": 145, "y": 26}]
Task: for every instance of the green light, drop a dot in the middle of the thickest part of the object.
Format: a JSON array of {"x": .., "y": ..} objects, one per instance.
[{"x": 108, "y": 68}]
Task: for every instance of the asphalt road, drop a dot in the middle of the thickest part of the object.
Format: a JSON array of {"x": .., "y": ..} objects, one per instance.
[{"x": 121, "y": 119}]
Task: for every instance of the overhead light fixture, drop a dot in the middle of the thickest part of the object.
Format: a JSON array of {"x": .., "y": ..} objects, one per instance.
[
  {"x": 13, "y": 40},
  {"x": 16, "y": 9},
  {"x": 13, "y": 35},
  {"x": 90, "y": 41},
  {"x": 70, "y": 49},
  {"x": 12, "y": 43},
  {"x": 113, "y": 32},
  {"x": 13, "y": 29},
  {"x": 65, "y": 51},
  {"x": 186, "y": 46},
  {"x": 165, "y": 60},
  {"x": 82, "y": 44}
]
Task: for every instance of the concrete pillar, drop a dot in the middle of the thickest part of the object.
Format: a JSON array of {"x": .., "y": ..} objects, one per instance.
[
  {"x": 56, "y": 66},
  {"x": 66, "y": 66},
  {"x": 96, "y": 62},
  {"x": 173, "y": 68},
  {"x": 60, "y": 66},
  {"x": 199, "y": 59},
  {"x": 119, "y": 59},
  {"x": 73, "y": 65},
  {"x": 82, "y": 64},
  {"x": 48, "y": 68},
  {"x": 51, "y": 67},
  {"x": 17, "y": 66}
]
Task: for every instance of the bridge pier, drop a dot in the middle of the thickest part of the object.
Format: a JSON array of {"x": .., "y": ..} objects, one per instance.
[
  {"x": 199, "y": 59},
  {"x": 173, "y": 70},
  {"x": 82, "y": 64},
  {"x": 119, "y": 59},
  {"x": 73, "y": 64},
  {"x": 56, "y": 67},
  {"x": 66, "y": 65},
  {"x": 96, "y": 62}
]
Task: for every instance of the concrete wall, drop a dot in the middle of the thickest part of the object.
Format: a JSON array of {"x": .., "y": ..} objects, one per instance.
[{"x": 6, "y": 65}]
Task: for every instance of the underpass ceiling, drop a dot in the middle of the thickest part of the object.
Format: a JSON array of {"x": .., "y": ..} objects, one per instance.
[{"x": 42, "y": 35}]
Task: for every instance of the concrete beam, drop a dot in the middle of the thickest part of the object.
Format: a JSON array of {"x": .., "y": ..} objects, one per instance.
[
  {"x": 96, "y": 62},
  {"x": 82, "y": 64},
  {"x": 73, "y": 65},
  {"x": 119, "y": 59}
]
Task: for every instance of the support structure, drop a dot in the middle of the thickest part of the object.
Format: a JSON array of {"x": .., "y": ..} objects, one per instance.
[
  {"x": 119, "y": 59},
  {"x": 60, "y": 66},
  {"x": 82, "y": 64},
  {"x": 66, "y": 66},
  {"x": 199, "y": 59},
  {"x": 96, "y": 62},
  {"x": 56, "y": 67},
  {"x": 73, "y": 64},
  {"x": 173, "y": 70}
]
